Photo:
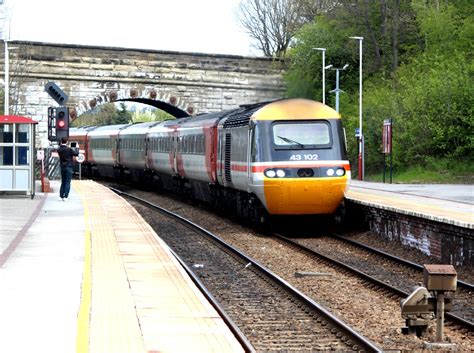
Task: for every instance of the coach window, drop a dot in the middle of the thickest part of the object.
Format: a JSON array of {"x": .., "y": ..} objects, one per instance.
[{"x": 195, "y": 144}]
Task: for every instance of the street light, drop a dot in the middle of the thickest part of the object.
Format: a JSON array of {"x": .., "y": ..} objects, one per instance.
[
  {"x": 323, "y": 51},
  {"x": 337, "y": 90},
  {"x": 361, "y": 135},
  {"x": 6, "y": 38}
]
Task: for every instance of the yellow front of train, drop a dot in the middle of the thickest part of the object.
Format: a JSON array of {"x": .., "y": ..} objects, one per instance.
[{"x": 298, "y": 157}]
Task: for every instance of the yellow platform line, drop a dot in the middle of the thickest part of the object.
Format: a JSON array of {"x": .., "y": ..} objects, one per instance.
[{"x": 83, "y": 317}]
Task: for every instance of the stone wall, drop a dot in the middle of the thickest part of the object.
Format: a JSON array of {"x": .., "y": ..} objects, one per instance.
[
  {"x": 201, "y": 82},
  {"x": 447, "y": 243}
]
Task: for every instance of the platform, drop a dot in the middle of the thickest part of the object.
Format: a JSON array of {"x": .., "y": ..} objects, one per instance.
[
  {"x": 90, "y": 275},
  {"x": 451, "y": 204}
]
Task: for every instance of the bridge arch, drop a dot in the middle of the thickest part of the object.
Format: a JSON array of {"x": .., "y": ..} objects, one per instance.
[{"x": 165, "y": 101}]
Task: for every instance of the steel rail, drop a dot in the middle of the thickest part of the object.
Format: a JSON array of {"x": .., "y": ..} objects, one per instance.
[
  {"x": 465, "y": 285},
  {"x": 455, "y": 319},
  {"x": 359, "y": 340}
]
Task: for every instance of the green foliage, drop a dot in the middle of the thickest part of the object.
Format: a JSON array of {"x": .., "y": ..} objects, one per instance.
[
  {"x": 122, "y": 116},
  {"x": 155, "y": 115},
  {"x": 305, "y": 75},
  {"x": 445, "y": 170},
  {"x": 108, "y": 114},
  {"x": 430, "y": 95},
  {"x": 102, "y": 115}
]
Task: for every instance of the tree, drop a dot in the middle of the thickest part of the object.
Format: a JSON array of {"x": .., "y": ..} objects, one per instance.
[
  {"x": 273, "y": 23},
  {"x": 388, "y": 28},
  {"x": 122, "y": 116},
  {"x": 417, "y": 71}
]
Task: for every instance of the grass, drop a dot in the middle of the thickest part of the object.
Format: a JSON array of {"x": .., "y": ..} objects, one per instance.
[{"x": 442, "y": 171}]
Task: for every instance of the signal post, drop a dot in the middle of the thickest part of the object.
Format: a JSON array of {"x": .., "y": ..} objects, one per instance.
[{"x": 58, "y": 117}]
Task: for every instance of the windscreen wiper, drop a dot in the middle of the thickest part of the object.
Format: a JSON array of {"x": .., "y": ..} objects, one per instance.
[{"x": 286, "y": 139}]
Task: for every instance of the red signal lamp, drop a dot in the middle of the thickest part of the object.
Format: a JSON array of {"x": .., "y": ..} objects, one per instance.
[{"x": 61, "y": 123}]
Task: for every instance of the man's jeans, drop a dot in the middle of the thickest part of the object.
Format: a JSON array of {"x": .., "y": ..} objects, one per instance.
[{"x": 66, "y": 177}]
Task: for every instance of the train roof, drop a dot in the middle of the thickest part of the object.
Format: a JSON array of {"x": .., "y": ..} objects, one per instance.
[
  {"x": 107, "y": 130},
  {"x": 295, "y": 109},
  {"x": 166, "y": 125},
  {"x": 138, "y": 128}
]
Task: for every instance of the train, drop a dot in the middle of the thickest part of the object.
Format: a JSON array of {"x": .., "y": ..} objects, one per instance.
[{"x": 279, "y": 158}]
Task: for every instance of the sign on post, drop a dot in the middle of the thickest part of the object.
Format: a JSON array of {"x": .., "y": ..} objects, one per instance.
[
  {"x": 387, "y": 145},
  {"x": 387, "y": 136},
  {"x": 40, "y": 155}
]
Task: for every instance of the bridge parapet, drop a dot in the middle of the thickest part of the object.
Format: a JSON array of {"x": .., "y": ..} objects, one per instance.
[{"x": 91, "y": 76}]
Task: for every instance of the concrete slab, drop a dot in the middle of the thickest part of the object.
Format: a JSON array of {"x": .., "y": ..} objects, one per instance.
[
  {"x": 451, "y": 204},
  {"x": 40, "y": 282}
]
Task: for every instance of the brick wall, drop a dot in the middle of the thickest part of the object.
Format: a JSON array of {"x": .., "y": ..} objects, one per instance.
[{"x": 446, "y": 243}]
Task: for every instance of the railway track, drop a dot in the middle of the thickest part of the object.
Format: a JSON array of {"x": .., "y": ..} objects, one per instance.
[
  {"x": 393, "y": 274},
  {"x": 370, "y": 310},
  {"x": 272, "y": 314}
]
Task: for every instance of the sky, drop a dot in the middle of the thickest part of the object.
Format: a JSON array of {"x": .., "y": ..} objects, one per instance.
[{"x": 203, "y": 26}]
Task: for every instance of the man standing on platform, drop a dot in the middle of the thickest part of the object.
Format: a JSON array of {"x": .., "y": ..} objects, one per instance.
[{"x": 65, "y": 161}]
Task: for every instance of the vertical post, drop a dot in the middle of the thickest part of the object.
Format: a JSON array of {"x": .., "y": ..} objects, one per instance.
[
  {"x": 384, "y": 166},
  {"x": 6, "y": 64},
  {"x": 6, "y": 109},
  {"x": 337, "y": 90},
  {"x": 361, "y": 136},
  {"x": 324, "y": 76},
  {"x": 440, "y": 317},
  {"x": 323, "y": 51},
  {"x": 391, "y": 167}
]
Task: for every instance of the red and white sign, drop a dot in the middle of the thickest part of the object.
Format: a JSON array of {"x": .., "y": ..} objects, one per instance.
[
  {"x": 387, "y": 136},
  {"x": 40, "y": 155},
  {"x": 80, "y": 158}
]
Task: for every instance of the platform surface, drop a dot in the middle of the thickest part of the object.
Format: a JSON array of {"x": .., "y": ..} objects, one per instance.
[
  {"x": 90, "y": 275},
  {"x": 452, "y": 204}
]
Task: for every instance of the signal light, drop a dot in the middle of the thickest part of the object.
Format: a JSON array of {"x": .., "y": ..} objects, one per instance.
[{"x": 62, "y": 122}]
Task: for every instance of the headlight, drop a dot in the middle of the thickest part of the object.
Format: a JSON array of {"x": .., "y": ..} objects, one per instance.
[
  {"x": 330, "y": 172},
  {"x": 340, "y": 172},
  {"x": 270, "y": 173},
  {"x": 280, "y": 173}
]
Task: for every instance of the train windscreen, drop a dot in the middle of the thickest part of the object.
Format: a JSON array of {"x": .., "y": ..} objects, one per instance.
[{"x": 303, "y": 135}]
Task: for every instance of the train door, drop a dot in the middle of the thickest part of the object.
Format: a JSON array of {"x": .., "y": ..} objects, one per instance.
[
  {"x": 174, "y": 152},
  {"x": 249, "y": 154},
  {"x": 220, "y": 156}
]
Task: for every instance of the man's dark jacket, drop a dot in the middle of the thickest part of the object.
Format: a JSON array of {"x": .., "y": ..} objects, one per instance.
[{"x": 65, "y": 155}]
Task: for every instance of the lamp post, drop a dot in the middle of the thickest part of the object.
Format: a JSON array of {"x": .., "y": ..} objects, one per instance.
[
  {"x": 337, "y": 90},
  {"x": 361, "y": 135},
  {"x": 6, "y": 37},
  {"x": 6, "y": 103},
  {"x": 323, "y": 51}
]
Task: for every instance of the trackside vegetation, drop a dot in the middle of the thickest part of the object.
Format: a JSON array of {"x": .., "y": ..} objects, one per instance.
[{"x": 418, "y": 70}]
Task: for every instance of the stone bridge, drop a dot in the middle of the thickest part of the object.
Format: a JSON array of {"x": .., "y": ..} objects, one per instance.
[{"x": 91, "y": 76}]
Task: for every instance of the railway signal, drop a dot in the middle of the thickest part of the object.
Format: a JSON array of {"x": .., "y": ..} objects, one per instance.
[
  {"x": 62, "y": 122},
  {"x": 58, "y": 123},
  {"x": 56, "y": 93}
]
